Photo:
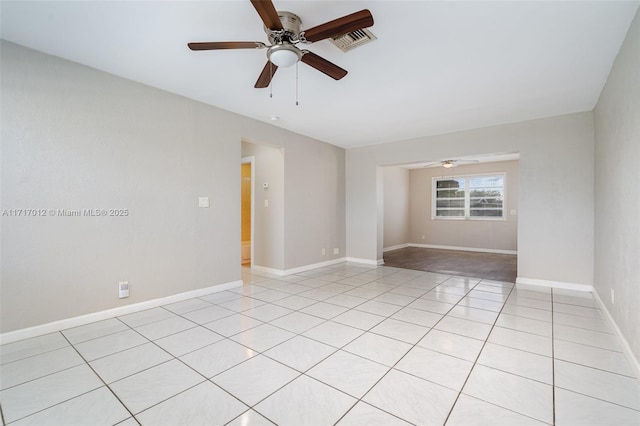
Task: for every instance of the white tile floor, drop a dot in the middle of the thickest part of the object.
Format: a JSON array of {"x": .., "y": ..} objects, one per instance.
[{"x": 346, "y": 345}]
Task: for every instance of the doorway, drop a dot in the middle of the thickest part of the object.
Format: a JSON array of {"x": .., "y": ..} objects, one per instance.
[
  {"x": 457, "y": 221},
  {"x": 246, "y": 211}
]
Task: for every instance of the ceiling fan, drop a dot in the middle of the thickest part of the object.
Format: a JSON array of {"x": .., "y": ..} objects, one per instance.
[
  {"x": 283, "y": 32},
  {"x": 447, "y": 164}
]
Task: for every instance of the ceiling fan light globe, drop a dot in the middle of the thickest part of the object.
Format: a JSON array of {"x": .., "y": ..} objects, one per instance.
[
  {"x": 447, "y": 165},
  {"x": 283, "y": 57}
]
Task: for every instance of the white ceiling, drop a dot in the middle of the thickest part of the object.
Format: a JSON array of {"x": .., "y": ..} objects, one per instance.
[
  {"x": 493, "y": 158},
  {"x": 436, "y": 67}
]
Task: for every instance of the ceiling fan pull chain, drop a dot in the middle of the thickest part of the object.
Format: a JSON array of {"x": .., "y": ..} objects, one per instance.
[
  {"x": 270, "y": 79},
  {"x": 296, "y": 83}
]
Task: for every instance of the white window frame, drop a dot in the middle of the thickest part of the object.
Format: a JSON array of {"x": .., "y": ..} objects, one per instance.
[{"x": 467, "y": 198}]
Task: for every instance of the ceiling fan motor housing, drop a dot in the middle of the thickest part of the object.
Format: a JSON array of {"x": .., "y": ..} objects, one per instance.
[{"x": 291, "y": 29}]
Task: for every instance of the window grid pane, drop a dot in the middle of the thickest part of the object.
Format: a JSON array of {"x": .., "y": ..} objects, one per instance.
[
  {"x": 486, "y": 213},
  {"x": 451, "y": 184},
  {"x": 451, "y": 194},
  {"x": 448, "y": 203},
  {"x": 484, "y": 198},
  {"x": 486, "y": 181},
  {"x": 450, "y": 197},
  {"x": 450, "y": 212}
]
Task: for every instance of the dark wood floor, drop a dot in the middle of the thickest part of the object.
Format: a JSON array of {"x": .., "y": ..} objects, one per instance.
[{"x": 498, "y": 267}]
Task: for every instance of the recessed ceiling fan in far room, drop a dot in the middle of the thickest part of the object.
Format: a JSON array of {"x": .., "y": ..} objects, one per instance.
[
  {"x": 283, "y": 32},
  {"x": 447, "y": 164}
]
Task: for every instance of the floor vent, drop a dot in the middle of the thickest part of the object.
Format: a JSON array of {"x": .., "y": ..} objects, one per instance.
[{"x": 349, "y": 41}]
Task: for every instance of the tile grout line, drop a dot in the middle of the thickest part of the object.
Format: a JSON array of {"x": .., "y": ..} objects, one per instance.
[
  {"x": 131, "y": 375},
  {"x": 206, "y": 379},
  {"x": 342, "y": 348},
  {"x": 84, "y": 362},
  {"x": 99, "y": 377},
  {"x": 599, "y": 399},
  {"x": 331, "y": 318},
  {"x": 146, "y": 369},
  {"x": 300, "y": 374},
  {"x": 252, "y": 407},
  {"x": 174, "y": 357},
  {"x": 269, "y": 322},
  {"x": 361, "y": 399},
  {"x": 39, "y": 377},
  {"x": 475, "y": 362},
  {"x": 6, "y": 364}
]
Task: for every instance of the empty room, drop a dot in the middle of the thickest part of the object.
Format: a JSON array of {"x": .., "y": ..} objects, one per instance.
[{"x": 263, "y": 212}]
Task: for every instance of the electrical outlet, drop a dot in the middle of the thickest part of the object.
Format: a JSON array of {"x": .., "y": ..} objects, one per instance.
[
  {"x": 336, "y": 250},
  {"x": 324, "y": 252},
  {"x": 423, "y": 237},
  {"x": 203, "y": 202},
  {"x": 123, "y": 289},
  {"x": 613, "y": 297}
]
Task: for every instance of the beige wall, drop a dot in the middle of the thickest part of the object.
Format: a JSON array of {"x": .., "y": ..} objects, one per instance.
[
  {"x": 617, "y": 194},
  {"x": 555, "y": 227},
  {"x": 75, "y": 138},
  {"x": 396, "y": 206},
  {"x": 314, "y": 202},
  {"x": 481, "y": 234}
]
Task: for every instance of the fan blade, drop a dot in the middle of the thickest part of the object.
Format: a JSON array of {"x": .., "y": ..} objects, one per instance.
[
  {"x": 216, "y": 45},
  {"x": 268, "y": 14},
  {"x": 322, "y": 65},
  {"x": 266, "y": 75},
  {"x": 340, "y": 26},
  {"x": 437, "y": 163}
]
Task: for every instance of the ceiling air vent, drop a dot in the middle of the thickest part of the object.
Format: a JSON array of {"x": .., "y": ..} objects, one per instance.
[{"x": 349, "y": 41}]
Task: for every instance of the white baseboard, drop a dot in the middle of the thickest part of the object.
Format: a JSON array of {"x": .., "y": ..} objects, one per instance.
[
  {"x": 626, "y": 349},
  {"x": 481, "y": 250},
  {"x": 314, "y": 266},
  {"x": 399, "y": 246},
  {"x": 285, "y": 272},
  {"x": 39, "y": 330},
  {"x": 554, "y": 284},
  {"x": 364, "y": 261},
  {"x": 272, "y": 271}
]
